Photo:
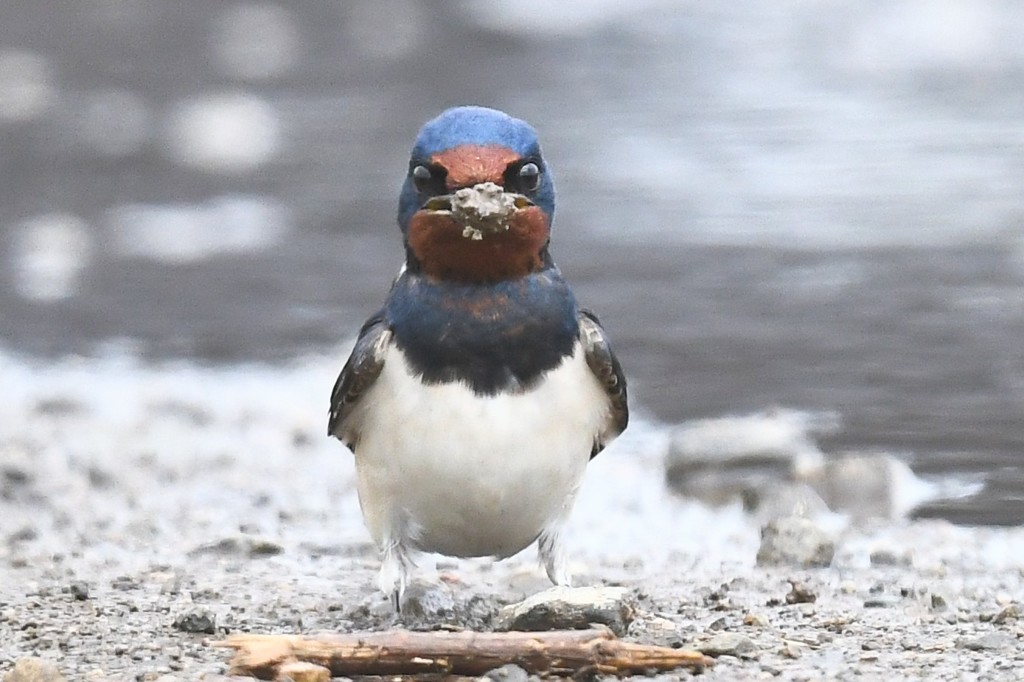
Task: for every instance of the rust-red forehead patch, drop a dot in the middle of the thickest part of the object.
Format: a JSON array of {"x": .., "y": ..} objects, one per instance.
[{"x": 469, "y": 164}]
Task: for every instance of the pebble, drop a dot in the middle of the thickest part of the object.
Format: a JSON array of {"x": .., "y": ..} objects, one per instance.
[
  {"x": 799, "y": 593},
  {"x": 794, "y": 650},
  {"x": 655, "y": 630},
  {"x": 990, "y": 641},
  {"x": 728, "y": 644},
  {"x": 243, "y": 546},
  {"x": 79, "y": 590},
  {"x": 570, "y": 608},
  {"x": 883, "y": 601},
  {"x": 31, "y": 669},
  {"x": 23, "y": 534},
  {"x": 756, "y": 620},
  {"x": 506, "y": 673},
  {"x": 937, "y": 602},
  {"x": 885, "y": 557},
  {"x": 795, "y": 541},
  {"x": 427, "y": 600},
  {"x": 1010, "y": 612},
  {"x": 14, "y": 475},
  {"x": 196, "y": 620}
]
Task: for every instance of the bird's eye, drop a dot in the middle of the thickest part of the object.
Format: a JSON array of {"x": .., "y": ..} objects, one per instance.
[
  {"x": 421, "y": 177},
  {"x": 529, "y": 177}
]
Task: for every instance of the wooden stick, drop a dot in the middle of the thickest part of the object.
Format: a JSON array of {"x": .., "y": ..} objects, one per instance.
[{"x": 402, "y": 652}]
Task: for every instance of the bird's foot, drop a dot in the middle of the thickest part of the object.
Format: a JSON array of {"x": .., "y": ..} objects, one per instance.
[{"x": 394, "y": 573}]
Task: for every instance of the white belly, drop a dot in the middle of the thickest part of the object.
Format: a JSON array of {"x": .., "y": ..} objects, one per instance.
[{"x": 443, "y": 470}]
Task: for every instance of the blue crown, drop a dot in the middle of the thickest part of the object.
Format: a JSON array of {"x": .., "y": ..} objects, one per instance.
[{"x": 475, "y": 125}]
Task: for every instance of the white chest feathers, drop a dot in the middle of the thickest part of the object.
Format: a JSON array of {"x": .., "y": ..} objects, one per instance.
[{"x": 442, "y": 469}]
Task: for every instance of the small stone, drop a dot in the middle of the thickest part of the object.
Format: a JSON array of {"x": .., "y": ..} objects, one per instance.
[
  {"x": 23, "y": 534},
  {"x": 1010, "y": 612},
  {"x": 301, "y": 671},
  {"x": 196, "y": 620},
  {"x": 795, "y": 541},
  {"x": 655, "y": 630},
  {"x": 427, "y": 600},
  {"x": 756, "y": 620},
  {"x": 728, "y": 644},
  {"x": 507, "y": 673},
  {"x": 988, "y": 642},
  {"x": 799, "y": 593},
  {"x": 938, "y": 602},
  {"x": 881, "y": 602},
  {"x": 31, "y": 669},
  {"x": 14, "y": 475},
  {"x": 794, "y": 650},
  {"x": 79, "y": 590},
  {"x": 908, "y": 644},
  {"x": 570, "y": 608},
  {"x": 261, "y": 547},
  {"x": 125, "y": 583},
  {"x": 244, "y": 546},
  {"x": 885, "y": 557}
]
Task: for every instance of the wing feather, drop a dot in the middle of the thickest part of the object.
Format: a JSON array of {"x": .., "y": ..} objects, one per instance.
[
  {"x": 361, "y": 370},
  {"x": 606, "y": 368}
]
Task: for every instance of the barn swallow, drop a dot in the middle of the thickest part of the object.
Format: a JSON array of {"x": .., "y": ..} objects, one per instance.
[{"x": 474, "y": 398}]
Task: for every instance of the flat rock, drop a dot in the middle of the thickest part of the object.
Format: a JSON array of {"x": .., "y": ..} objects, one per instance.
[
  {"x": 795, "y": 541},
  {"x": 728, "y": 644},
  {"x": 990, "y": 641},
  {"x": 31, "y": 669},
  {"x": 570, "y": 608}
]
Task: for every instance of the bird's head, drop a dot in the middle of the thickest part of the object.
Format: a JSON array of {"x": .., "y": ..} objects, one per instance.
[{"x": 478, "y": 199}]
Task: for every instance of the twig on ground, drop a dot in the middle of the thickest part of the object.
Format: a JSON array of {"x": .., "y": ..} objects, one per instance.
[{"x": 402, "y": 652}]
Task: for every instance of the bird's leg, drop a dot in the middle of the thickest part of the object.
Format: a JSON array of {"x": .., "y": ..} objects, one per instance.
[
  {"x": 552, "y": 555},
  {"x": 394, "y": 572}
]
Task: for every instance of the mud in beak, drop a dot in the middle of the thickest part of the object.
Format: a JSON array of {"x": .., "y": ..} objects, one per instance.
[{"x": 483, "y": 209}]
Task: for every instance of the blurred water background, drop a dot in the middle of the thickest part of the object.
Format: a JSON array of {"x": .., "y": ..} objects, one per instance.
[{"x": 808, "y": 205}]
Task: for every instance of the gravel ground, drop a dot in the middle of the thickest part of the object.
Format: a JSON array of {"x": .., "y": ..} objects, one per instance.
[{"x": 146, "y": 511}]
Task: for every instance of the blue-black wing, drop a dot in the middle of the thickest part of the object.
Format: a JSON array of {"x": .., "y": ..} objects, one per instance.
[
  {"x": 606, "y": 368},
  {"x": 361, "y": 370}
]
